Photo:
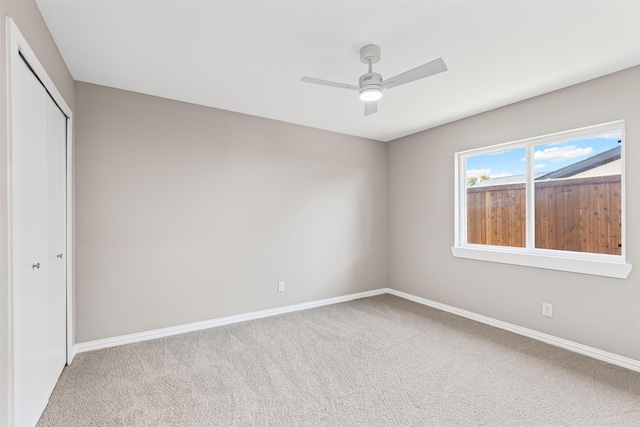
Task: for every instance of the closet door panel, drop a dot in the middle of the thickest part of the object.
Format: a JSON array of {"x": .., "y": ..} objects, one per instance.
[
  {"x": 31, "y": 263},
  {"x": 56, "y": 145}
]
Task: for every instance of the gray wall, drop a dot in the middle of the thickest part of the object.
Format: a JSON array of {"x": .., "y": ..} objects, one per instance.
[
  {"x": 595, "y": 311},
  {"x": 187, "y": 213},
  {"x": 27, "y": 17}
]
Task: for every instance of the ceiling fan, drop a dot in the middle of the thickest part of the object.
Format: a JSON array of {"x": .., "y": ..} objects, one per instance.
[{"x": 370, "y": 85}]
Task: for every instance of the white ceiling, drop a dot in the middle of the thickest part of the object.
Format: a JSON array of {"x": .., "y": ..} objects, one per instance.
[{"x": 249, "y": 56}]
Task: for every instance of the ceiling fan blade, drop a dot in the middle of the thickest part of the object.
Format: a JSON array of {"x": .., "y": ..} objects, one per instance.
[
  {"x": 328, "y": 83},
  {"x": 426, "y": 70},
  {"x": 370, "y": 107}
]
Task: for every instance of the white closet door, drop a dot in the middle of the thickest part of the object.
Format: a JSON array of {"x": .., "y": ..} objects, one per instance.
[
  {"x": 36, "y": 301},
  {"x": 30, "y": 250},
  {"x": 57, "y": 253}
]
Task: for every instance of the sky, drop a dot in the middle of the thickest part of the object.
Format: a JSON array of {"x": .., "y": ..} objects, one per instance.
[{"x": 547, "y": 157}]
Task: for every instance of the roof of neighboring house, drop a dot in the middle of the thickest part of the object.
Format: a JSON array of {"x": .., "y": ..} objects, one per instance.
[
  {"x": 505, "y": 180},
  {"x": 584, "y": 165}
]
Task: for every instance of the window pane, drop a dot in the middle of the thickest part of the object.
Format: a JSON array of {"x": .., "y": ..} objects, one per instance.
[
  {"x": 578, "y": 195},
  {"x": 496, "y": 202}
]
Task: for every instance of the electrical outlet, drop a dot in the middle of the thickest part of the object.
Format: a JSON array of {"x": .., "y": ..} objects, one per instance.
[
  {"x": 280, "y": 286},
  {"x": 547, "y": 309}
]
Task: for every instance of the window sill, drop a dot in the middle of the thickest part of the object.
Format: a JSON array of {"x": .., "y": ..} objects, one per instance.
[{"x": 617, "y": 270}]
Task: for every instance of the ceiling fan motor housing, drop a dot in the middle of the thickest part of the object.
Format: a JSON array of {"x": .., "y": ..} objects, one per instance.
[{"x": 370, "y": 81}]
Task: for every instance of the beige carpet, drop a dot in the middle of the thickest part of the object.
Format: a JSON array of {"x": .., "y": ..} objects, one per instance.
[{"x": 380, "y": 361}]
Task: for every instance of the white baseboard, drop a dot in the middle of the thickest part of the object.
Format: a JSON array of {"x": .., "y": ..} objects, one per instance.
[
  {"x": 605, "y": 356},
  {"x": 206, "y": 324}
]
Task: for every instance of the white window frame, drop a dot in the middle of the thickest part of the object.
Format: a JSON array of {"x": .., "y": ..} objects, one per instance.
[{"x": 577, "y": 262}]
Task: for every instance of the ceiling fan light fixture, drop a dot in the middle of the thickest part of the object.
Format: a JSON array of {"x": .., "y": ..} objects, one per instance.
[{"x": 371, "y": 94}]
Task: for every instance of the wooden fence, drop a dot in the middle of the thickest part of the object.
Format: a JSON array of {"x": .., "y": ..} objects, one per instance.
[{"x": 576, "y": 214}]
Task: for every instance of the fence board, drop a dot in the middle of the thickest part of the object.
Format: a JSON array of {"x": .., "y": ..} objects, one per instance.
[
  {"x": 603, "y": 206},
  {"x": 585, "y": 213},
  {"x": 616, "y": 219}
]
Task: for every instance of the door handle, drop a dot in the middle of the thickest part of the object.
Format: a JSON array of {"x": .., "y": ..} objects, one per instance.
[
  {"x": 59, "y": 256},
  {"x": 34, "y": 266}
]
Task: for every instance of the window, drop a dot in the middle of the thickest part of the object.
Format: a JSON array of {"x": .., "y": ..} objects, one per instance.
[{"x": 555, "y": 201}]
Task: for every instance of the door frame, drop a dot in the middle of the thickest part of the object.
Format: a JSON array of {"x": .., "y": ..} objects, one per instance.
[{"x": 18, "y": 47}]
